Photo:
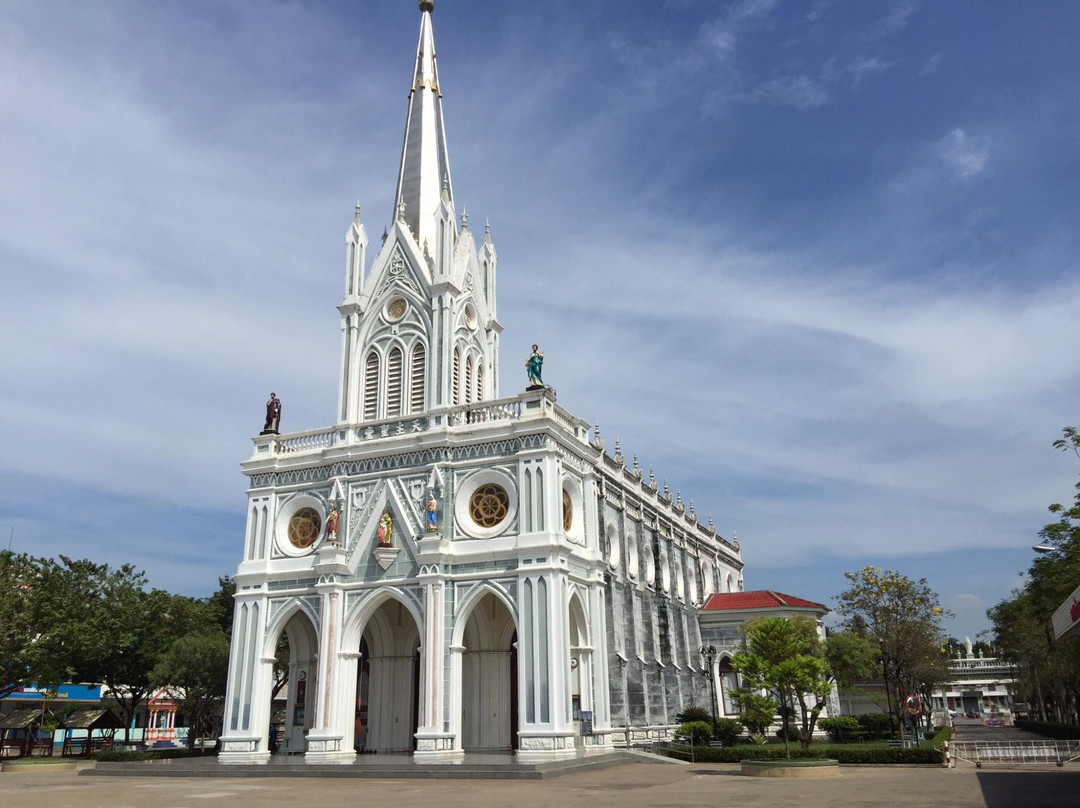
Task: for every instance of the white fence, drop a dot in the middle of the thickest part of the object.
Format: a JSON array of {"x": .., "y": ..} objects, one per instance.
[{"x": 1014, "y": 753}]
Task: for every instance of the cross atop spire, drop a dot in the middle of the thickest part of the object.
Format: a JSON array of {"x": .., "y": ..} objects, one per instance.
[{"x": 424, "y": 176}]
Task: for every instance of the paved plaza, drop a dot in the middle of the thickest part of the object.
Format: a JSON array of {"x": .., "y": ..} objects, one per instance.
[{"x": 630, "y": 786}]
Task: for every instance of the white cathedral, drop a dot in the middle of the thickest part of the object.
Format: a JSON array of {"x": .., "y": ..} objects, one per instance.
[{"x": 457, "y": 571}]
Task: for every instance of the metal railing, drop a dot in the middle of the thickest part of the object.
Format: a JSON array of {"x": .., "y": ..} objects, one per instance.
[{"x": 1014, "y": 753}]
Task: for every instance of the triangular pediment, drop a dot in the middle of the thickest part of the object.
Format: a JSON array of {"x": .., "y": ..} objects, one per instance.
[{"x": 399, "y": 267}]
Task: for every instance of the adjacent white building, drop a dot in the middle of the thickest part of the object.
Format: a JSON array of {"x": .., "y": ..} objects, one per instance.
[{"x": 457, "y": 569}]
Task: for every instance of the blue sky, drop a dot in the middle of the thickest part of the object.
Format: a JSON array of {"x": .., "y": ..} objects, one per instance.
[{"x": 814, "y": 262}]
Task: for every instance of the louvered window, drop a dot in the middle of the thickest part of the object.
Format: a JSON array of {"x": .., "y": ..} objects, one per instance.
[
  {"x": 456, "y": 396},
  {"x": 417, "y": 377},
  {"x": 480, "y": 380},
  {"x": 469, "y": 381},
  {"x": 393, "y": 383},
  {"x": 371, "y": 387}
]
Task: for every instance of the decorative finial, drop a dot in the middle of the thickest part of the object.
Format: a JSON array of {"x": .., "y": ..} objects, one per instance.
[
  {"x": 464, "y": 218},
  {"x": 596, "y": 431},
  {"x": 358, "y": 209},
  {"x": 487, "y": 230},
  {"x": 667, "y": 491},
  {"x": 401, "y": 210},
  {"x": 712, "y": 527},
  {"x": 678, "y": 497},
  {"x": 619, "y": 458},
  {"x": 635, "y": 462},
  {"x": 652, "y": 479},
  {"x": 427, "y": 5},
  {"x": 693, "y": 514}
]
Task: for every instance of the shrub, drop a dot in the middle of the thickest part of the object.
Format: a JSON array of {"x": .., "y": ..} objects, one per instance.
[
  {"x": 875, "y": 725},
  {"x": 733, "y": 754},
  {"x": 792, "y": 733},
  {"x": 697, "y": 731},
  {"x": 693, "y": 712},
  {"x": 840, "y": 727},
  {"x": 886, "y": 756},
  {"x": 1063, "y": 732},
  {"x": 727, "y": 729},
  {"x": 150, "y": 754}
]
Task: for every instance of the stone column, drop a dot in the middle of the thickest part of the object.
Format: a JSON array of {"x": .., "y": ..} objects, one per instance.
[
  {"x": 434, "y": 740},
  {"x": 247, "y": 698},
  {"x": 330, "y": 739}
]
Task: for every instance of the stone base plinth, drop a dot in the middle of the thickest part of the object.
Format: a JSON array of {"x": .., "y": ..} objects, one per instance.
[{"x": 791, "y": 768}]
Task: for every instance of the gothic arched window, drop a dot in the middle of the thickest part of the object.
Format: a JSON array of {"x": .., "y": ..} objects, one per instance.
[
  {"x": 469, "y": 380},
  {"x": 456, "y": 392},
  {"x": 371, "y": 387},
  {"x": 393, "y": 383},
  {"x": 417, "y": 375},
  {"x": 480, "y": 380}
]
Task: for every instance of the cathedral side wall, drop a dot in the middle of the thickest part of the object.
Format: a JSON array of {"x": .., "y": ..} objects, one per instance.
[{"x": 654, "y": 639}]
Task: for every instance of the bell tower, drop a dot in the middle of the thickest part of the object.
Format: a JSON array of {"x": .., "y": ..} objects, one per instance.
[{"x": 419, "y": 330}]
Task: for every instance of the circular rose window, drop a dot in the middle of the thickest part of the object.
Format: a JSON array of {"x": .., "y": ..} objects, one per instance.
[
  {"x": 489, "y": 505},
  {"x": 304, "y": 528},
  {"x": 396, "y": 309}
]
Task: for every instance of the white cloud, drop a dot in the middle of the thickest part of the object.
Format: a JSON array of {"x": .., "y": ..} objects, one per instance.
[
  {"x": 965, "y": 155},
  {"x": 801, "y": 92},
  {"x": 895, "y": 21}
]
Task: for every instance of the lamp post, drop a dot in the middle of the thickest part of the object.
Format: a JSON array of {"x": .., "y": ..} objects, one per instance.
[
  {"x": 709, "y": 653},
  {"x": 1049, "y": 548}
]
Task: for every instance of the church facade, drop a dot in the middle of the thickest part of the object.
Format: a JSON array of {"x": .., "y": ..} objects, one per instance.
[{"x": 457, "y": 570}]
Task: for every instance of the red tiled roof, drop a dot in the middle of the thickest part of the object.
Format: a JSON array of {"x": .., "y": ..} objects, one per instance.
[{"x": 760, "y": 599}]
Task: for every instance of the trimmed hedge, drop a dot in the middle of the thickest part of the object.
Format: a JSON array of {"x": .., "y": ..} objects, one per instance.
[
  {"x": 733, "y": 754},
  {"x": 1051, "y": 729},
  {"x": 884, "y": 756},
  {"x": 150, "y": 754},
  {"x": 887, "y": 756}
]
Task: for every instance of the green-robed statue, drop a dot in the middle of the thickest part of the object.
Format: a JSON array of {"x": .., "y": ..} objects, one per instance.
[{"x": 535, "y": 365}]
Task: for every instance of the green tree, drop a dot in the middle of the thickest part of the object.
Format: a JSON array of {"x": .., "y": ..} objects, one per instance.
[
  {"x": 1048, "y": 669},
  {"x": 18, "y": 574},
  {"x": 785, "y": 656},
  {"x": 902, "y": 618},
  {"x": 195, "y": 667}
]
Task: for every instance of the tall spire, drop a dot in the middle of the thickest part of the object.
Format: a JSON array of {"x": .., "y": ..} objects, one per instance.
[{"x": 425, "y": 165}]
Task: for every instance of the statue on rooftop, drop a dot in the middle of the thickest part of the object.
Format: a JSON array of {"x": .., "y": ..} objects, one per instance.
[
  {"x": 273, "y": 415},
  {"x": 534, "y": 365}
]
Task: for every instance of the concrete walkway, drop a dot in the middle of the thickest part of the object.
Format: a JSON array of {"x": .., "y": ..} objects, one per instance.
[
  {"x": 975, "y": 729},
  {"x": 629, "y": 786}
]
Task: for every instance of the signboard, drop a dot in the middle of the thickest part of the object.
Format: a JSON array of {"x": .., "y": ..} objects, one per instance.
[
  {"x": 61, "y": 693},
  {"x": 1067, "y": 618}
]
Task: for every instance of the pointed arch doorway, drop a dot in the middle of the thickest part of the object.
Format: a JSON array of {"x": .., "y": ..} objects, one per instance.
[
  {"x": 387, "y": 681},
  {"x": 489, "y": 677},
  {"x": 290, "y": 729}
]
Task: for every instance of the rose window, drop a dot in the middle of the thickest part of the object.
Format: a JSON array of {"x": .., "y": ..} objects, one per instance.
[
  {"x": 489, "y": 505},
  {"x": 304, "y": 528}
]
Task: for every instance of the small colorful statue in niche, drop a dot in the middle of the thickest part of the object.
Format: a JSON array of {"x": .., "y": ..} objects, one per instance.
[
  {"x": 534, "y": 365},
  {"x": 432, "y": 514},
  {"x": 386, "y": 530},
  {"x": 273, "y": 415},
  {"x": 332, "y": 523}
]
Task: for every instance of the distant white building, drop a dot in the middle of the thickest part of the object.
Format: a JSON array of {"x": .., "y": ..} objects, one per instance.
[
  {"x": 457, "y": 570},
  {"x": 976, "y": 684}
]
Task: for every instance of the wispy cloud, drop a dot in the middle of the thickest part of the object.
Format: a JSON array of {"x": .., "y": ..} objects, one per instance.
[
  {"x": 801, "y": 92},
  {"x": 965, "y": 155},
  {"x": 894, "y": 21}
]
